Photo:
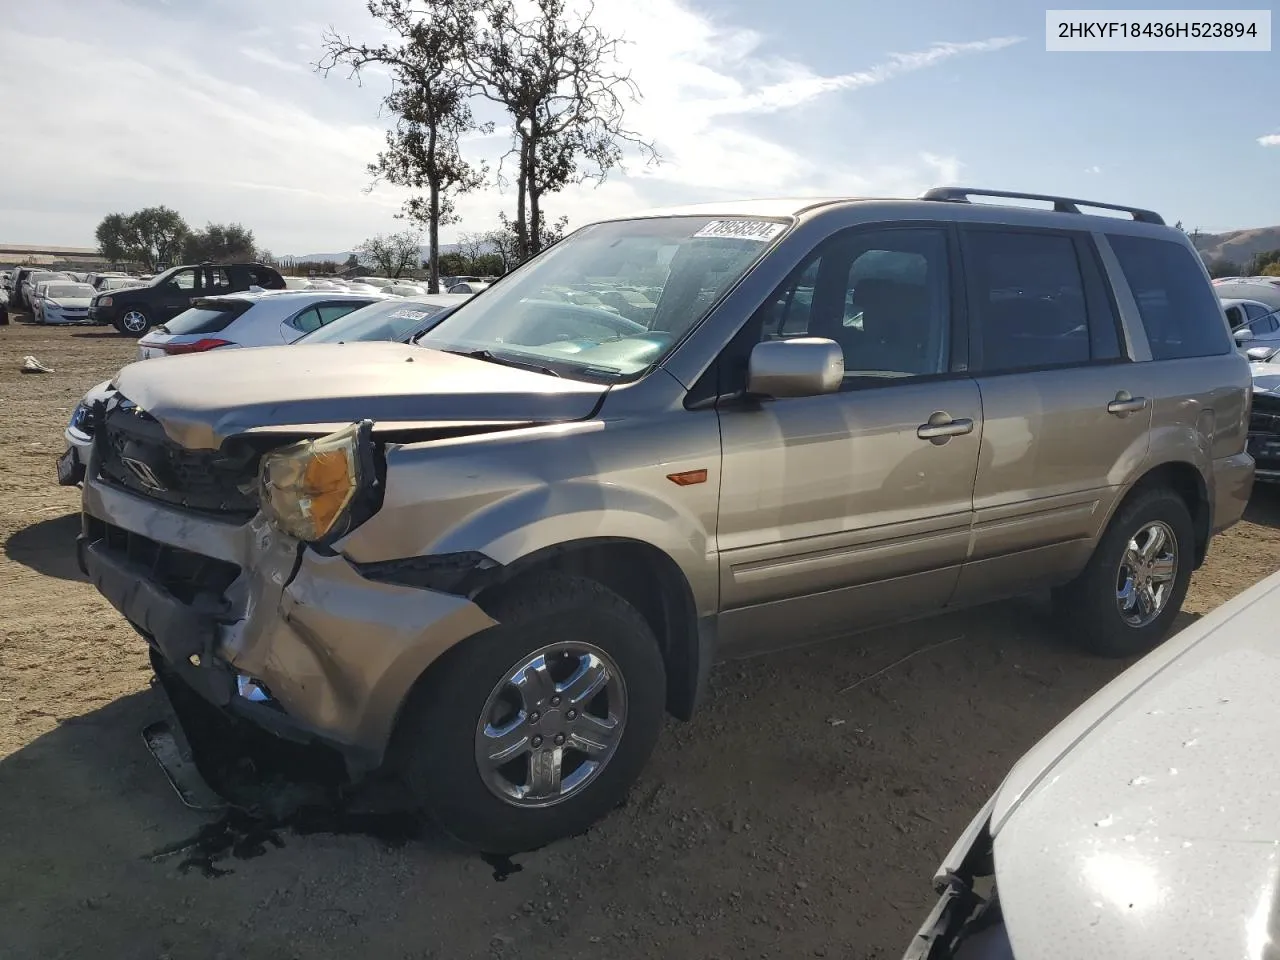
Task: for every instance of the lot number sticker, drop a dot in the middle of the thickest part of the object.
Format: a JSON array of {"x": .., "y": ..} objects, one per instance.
[{"x": 761, "y": 230}]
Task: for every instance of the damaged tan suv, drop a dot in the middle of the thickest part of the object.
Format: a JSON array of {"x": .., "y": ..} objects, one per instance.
[{"x": 492, "y": 559}]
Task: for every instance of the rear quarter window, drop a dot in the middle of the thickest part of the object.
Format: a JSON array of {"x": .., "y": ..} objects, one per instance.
[{"x": 1179, "y": 310}]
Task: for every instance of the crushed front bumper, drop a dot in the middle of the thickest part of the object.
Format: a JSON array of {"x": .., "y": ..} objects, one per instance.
[{"x": 261, "y": 626}]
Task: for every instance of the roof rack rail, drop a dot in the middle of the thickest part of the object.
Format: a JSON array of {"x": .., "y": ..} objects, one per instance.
[{"x": 1060, "y": 204}]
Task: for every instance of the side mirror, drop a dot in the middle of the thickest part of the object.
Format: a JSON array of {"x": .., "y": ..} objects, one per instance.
[
  {"x": 1242, "y": 334},
  {"x": 803, "y": 367}
]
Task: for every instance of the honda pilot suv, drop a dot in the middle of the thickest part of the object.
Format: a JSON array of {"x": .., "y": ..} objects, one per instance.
[
  {"x": 135, "y": 310},
  {"x": 489, "y": 560}
]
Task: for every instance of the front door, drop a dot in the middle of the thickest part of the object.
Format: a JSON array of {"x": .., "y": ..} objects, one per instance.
[
  {"x": 1066, "y": 416},
  {"x": 177, "y": 292},
  {"x": 842, "y": 511}
]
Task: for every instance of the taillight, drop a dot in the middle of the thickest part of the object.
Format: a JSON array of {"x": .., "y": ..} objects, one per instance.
[{"x": 199, "y": 346}]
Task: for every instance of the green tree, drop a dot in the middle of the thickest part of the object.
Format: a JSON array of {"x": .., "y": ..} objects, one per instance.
[
  {"x": 114, "y": 236},
  {"x": 151, "y": 236},
  {"x": 430, "y": 99},
  {"x": 1261, "y": 262},
  {"x": 1223, "y": 268},
  {"x": 220, "y": 243}
]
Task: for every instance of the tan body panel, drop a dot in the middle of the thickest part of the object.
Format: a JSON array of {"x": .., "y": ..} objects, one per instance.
[{"x": 827, "y": 493}]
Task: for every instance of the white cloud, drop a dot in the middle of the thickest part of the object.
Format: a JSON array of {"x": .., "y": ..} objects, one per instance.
[
  {"x": 1270, "y": 140},
  {"x": 256, "y": 137},
  {"x": 1093, "y": 169},
  {"x": 264, "y": 56}
]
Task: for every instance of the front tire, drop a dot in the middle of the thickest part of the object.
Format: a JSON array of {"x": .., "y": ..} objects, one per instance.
[
  {"x": 536, "y": 728},
  {"x": 1124, "y": 602},
  {"x": 134, "y": 322}
]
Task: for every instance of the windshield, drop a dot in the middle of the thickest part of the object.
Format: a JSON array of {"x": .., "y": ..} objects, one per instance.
[
  {"x": 384, "y": 320},
  {"x": 115, "y": 283},
  {"x": 38, "y": 278},
  {"x": 68, "y": 291},
  {"x": 610, "y": 300}
]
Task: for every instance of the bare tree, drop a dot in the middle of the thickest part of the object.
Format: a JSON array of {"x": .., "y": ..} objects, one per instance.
[
  {"x": 473, "y": 246},
  {"x": 390, "y": 254},
  {"x": 430, "y": 99},
  {"x": 558, "y": 78}
]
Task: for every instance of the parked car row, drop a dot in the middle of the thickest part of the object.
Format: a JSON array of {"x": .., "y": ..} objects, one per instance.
[{"x": 262, "y": 319}]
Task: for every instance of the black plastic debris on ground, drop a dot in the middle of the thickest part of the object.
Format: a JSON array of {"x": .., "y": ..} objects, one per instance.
[{"x": 270, "y": 787}]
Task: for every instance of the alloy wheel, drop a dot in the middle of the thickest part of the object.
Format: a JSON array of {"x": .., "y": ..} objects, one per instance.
[
  {"x": 551, "y": 724},
  {"x": 1148, "y": 569}
]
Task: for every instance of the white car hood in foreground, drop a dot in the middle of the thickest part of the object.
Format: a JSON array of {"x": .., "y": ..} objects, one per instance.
[{"x": 1147, "y": 824}]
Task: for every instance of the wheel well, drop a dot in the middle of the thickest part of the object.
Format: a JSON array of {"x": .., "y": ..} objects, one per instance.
[
  {"x": 1185, "y": 480},
  {"x": 649, "y": 580}
]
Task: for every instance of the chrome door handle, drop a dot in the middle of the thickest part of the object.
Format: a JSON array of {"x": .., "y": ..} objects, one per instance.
[
  {"x": 940, "y": 429},
  {"x": 1124, "y": 404}
]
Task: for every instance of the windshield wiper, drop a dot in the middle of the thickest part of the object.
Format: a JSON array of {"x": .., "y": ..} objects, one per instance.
[{"x": 490, "y": 357}]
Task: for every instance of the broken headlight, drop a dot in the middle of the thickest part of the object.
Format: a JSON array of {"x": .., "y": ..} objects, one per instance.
[{"x": 318, "y": 490}]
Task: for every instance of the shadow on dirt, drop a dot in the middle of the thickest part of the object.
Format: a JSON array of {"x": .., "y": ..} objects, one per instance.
[
  {"x": 1264, "y": 505},
  {"x": 48, "y": 547},
  {"x": 100, "y": 335}
]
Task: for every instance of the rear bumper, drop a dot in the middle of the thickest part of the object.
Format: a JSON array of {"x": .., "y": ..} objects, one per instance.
[
  {"x": 1232, "y": 486},
  {"x": 337, "y": 653}
]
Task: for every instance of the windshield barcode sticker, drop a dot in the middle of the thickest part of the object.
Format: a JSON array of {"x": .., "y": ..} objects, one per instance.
[
  {"x": 409, "y": 314},
  {"x": 761, "y": 230}
]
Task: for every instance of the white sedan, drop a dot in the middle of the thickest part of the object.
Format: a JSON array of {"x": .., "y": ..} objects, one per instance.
[
  {"x": 1145, "y": 824},
  {"x": 255, "y": 319},
  {"x": 61, "y": 301}
]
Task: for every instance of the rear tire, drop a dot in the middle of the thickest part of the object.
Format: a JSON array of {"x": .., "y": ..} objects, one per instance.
[
  {"x": 134, "y": 322},
  {"x": 468, "y": 708},
  {"x": 1106, "y": 606}
]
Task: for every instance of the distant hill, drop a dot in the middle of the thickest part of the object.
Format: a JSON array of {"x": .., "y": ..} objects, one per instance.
[
  {"x": 1238, "y": 246},
  {"x": 342, "y": 257}
]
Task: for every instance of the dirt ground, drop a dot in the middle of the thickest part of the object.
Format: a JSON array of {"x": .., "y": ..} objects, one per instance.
[{"x": 792, "y": 818}]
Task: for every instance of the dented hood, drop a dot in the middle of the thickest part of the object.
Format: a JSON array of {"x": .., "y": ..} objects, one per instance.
[
  {"x": 201, "y": 399},
  {"x": 1146, "y": 824}
]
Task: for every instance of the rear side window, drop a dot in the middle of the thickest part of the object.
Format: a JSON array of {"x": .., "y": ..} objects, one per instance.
[
  {"x": 1028, "y": 301},
  {"x": 1179, "y": 311},
  {"x": 266, "y": 279},
  {"x": 205, "y": 319},
  {"x": 330, "y": 312}
]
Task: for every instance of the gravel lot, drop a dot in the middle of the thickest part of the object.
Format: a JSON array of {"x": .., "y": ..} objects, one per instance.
[{"x": 793, "y": 818}]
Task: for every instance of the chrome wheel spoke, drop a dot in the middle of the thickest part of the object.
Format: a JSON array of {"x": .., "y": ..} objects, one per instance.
[
  {"x": 507, "y": 742},
  {"x": 1155, "y": 540},
  {"x": 588, "y": 680},
  {"x": 1163, "y": 570},
  {"x": 594, "y": 735},
  {"x": 1146, "y": 600},
  {"x": 545, "y": 767},
  {"x": 534, "y": 684}
]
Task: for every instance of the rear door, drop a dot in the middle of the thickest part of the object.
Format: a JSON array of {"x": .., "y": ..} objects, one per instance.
[
  {"x": 1200, "y": 385},
  {"x": 841, "y": 511},
  {"x": 1066, "y": 415}
]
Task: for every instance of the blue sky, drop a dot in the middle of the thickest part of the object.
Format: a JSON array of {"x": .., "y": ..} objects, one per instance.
[{"x": 218, "y": 114}]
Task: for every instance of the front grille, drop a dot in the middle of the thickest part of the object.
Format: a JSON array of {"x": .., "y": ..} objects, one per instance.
[
  {"x": 134, "y": 453},
  {"x": 184, "y": 574}
]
